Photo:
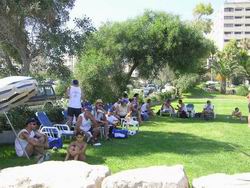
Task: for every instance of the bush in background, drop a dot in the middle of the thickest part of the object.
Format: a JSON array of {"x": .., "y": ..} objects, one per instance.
[
  {"x": 242, "y": 90},
  {"x": 20, "y": 114},
  {"x": 185, "y": 82}
]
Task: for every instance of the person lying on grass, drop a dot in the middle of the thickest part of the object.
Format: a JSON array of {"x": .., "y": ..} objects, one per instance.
[
  {"x": 76, "y": 150},
  {"x": 32, "y": 142}
]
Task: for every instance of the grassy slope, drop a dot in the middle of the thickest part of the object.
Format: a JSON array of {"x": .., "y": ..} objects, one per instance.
[{"x": 203, "y": 147}]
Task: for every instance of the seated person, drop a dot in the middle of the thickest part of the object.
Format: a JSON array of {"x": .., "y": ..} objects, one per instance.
[
  {"x": 208, "y": 110},
  {"x": 76, "y": 150},
  {"x": 32, "y": 141},
  {"x": 86, "y": 123},
  {"x": 134, "y": 107},
  {"x": 122, "y": 109},
  {"x": 167, "y": 107},
  {"x": 181, "y": 109},
  {"x": 112, "y": 119},
  {"x": 146, "y": 111},
  {"x": 237, "y": 113},
  {"x": 99, "y": 115}
]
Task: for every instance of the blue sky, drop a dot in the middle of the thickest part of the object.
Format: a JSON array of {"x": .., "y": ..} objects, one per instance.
[{"x": 118, "y": 10}]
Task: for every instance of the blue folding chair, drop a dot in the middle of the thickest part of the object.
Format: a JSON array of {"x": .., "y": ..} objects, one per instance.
[{"x": 64, "y": 129}]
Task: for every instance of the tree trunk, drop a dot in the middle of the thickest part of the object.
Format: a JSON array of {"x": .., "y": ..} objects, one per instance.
[{"x": 223, "y": 85}]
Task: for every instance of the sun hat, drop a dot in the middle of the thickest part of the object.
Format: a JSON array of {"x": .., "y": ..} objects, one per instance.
[{"x": 98, "y": 101}]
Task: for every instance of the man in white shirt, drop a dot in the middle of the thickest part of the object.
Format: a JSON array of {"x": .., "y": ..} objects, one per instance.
[
  {"x": 32, "y": 142},
  {"x": 75, "y": 95},
  {"x": 208, "y": 110}
]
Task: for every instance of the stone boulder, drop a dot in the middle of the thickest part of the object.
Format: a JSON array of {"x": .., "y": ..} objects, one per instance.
[
  {"x": 223, "y": 181},
  {"x": 54, "y": 174},
  {"x": 151, "y": 177}
]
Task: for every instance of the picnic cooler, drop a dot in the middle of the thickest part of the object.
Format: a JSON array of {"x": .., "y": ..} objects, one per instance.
[{"x": 120, "y": 133}]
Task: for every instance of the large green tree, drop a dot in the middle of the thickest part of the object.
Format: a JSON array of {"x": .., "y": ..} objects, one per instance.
[
  {"x": 147, "y": 43},
  {"x": 36, "y": 28}
]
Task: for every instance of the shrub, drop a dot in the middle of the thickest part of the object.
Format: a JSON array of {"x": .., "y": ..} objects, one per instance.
[
  {"x": 20, "y": 114},
  {"x": 186, "y": 81},
  {"x": 242, "y": 90},
  {"x": 55, "y": 114},
  {"x": 18, "y": 117}
]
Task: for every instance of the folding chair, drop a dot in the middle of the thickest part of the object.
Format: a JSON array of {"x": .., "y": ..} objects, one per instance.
[
  {"x": 190, "y": 110},
  {"x": 126, "y": 123},
  {"x": 64, "y": 129}
]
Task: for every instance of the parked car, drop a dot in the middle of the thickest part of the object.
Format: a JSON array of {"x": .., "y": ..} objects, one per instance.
[{"x": 45, "y": 96}]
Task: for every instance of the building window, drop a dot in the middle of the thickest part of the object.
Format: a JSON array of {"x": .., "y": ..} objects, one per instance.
[
  {"x": 238, "y": 17},
  {"x": 248, "y": 9},
  {"x": 228, "y": 17},
  {"x": 227, "y": 33},
  {"x": 237, "y": 25},
  {"x": 247, "y": 33},
  {"x": 238, "y": 9},
  {"x": 237, "y": 33},
  {"x": 247, "y": 25},
  {"x": 229, "y": 9},
  {"x": 228, "y": 25},
  {"x": 226, "y": 40},
  {"x": 247, "y": 17}
]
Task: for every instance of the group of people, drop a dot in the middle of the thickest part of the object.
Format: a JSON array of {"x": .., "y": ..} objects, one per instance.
[
  {"x": 91, "y": 119},
  {"x": 182, "y": 110}
]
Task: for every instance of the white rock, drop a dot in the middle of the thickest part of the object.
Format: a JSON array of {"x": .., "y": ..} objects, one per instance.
[
  {"x": 54, "y": 174},
  {"x": 223, "y": 181},
  {"x": 151, "y": 177}
]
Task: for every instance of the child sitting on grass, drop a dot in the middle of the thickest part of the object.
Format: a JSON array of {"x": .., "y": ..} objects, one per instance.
[
  {"x": 236, "y": 113},
  {"x": 76, "y": 150}
]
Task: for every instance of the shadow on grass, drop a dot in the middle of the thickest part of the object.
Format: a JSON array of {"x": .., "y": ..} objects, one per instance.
[
  {"x": 220, "y": 118},
  {"x": 148, "y": 142}
]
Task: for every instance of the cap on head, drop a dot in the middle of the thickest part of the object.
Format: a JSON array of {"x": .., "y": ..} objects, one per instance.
[
  {"x": 75, "y": 82},
  {"x": 30, "y": 120}
]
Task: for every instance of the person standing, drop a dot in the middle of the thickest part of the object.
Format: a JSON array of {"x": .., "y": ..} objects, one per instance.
[
  {"x": 75, "y": 95},
  {"x": 248, "y": 97}
]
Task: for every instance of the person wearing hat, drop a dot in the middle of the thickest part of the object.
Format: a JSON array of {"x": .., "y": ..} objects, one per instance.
[
  {"x": 33, "y": 142},
  {"x": 99, "y": 114},
  {"x": 75, "y": 96}
]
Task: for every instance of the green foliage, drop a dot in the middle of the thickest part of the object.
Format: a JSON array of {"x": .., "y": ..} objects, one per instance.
[
  {"x": 36, "y": 29},
  {"x": 61, "y": 87},
  {"x": 55, "y": 114},
  {"x": 186, "y": 82},
  {"x": 99, "y": 78},
  {"x": 147, "y": 44},
  {"x": 227, "y": 63},
  {"x": 20, "y": 114},
  {"x": 202, "y": 12},
  {"x": 242, "y": 90}
]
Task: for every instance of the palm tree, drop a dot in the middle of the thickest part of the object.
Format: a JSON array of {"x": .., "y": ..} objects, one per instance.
[{"x": 227, "y": 63}]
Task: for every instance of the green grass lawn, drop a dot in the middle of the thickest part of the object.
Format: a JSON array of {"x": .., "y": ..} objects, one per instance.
[{"x": 203, "y": 147}]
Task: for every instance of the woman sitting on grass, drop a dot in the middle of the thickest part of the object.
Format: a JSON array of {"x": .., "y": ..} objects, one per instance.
[{"x": 76, "y": 150}]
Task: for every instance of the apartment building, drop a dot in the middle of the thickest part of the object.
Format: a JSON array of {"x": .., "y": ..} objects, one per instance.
[{"x": 232, "y": 22}]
